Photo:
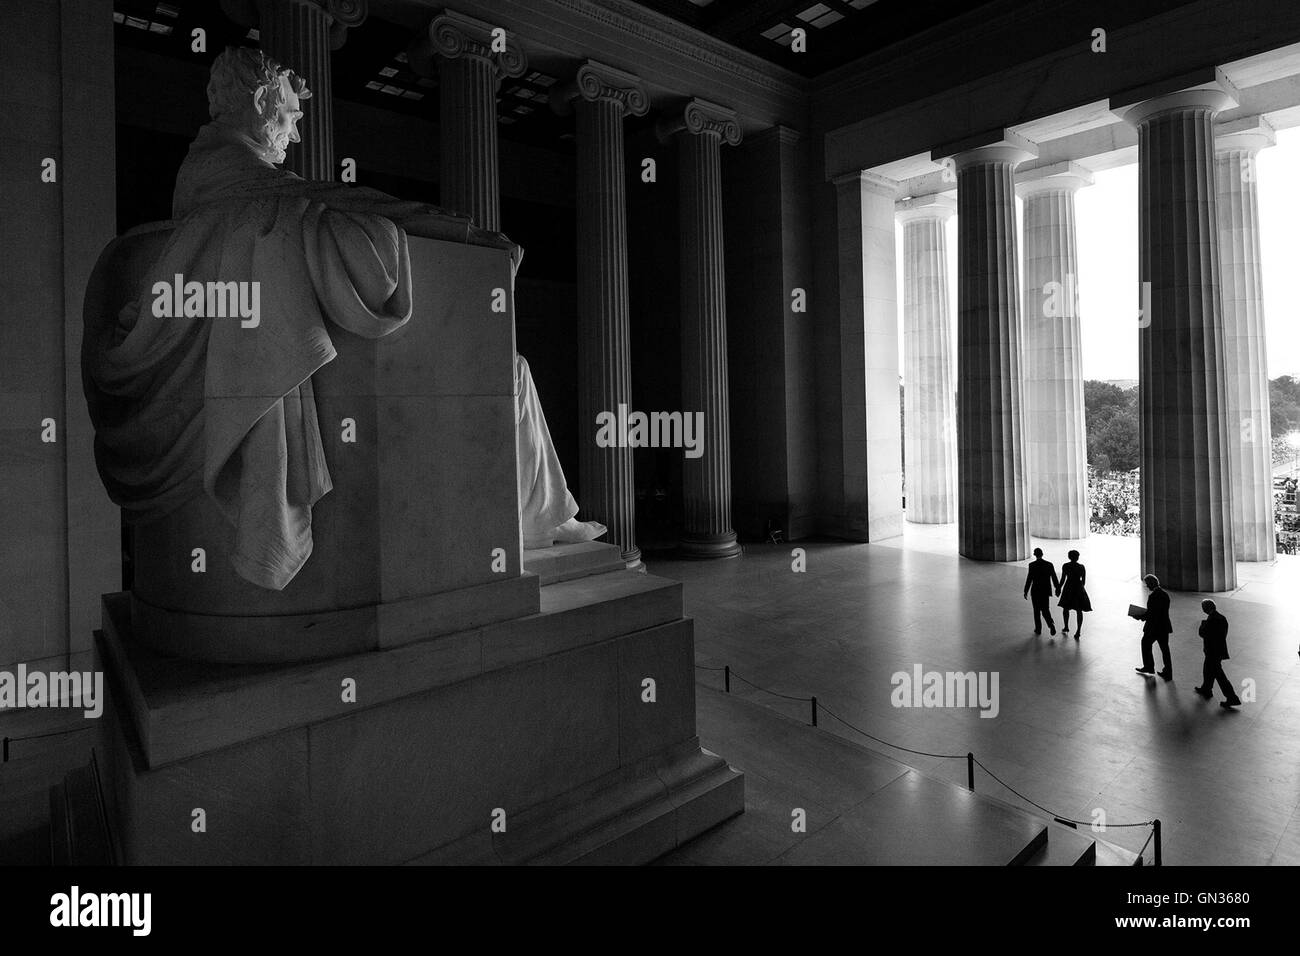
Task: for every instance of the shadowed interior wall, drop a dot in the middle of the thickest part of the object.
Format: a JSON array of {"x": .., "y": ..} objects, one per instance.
[
  {"x": 772, "y": 416},
  {"x": 61, "y": 546}
]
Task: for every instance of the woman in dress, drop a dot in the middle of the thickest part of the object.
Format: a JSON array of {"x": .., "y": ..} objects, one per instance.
[{"x": 1074, "y": 597}]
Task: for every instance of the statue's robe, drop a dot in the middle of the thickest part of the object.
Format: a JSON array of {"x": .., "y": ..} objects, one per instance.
[
  {"x": 545, "y": 502},
  {"x": 184, "y": 406}
]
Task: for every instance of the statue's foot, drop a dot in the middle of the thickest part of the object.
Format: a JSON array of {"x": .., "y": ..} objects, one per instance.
[{"x": 574, "y": 531}]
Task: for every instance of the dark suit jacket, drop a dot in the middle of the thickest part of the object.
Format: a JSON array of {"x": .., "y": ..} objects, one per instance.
[
  {"x": 1041, "y": 577},
  {"x": 1214, "y": 634},
  {"x": 1156, "y": 620}
]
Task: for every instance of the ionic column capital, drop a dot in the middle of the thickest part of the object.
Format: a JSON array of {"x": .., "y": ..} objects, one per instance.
[
  {"x": 341, "y": 14},
  {"x": 1058, "y": 177},
  {"x": 1249, "y": 134},
  {"x": 939, "y": 207},
  {"x": 597, "y": 82},
  {"x": 453, "y": 36},
  {"x": 702, "y": 118}
]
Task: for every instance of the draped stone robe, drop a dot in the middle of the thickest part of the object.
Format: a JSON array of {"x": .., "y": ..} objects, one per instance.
[{"x": 191, "y": 405}]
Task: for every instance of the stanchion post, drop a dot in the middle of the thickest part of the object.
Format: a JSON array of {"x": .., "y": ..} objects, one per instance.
[
  {"x": 1155, "y": 830},
  {"x": 814, "y": 710},
  {"x": 726, "y": 678},
  {"x": 970, "y": 771}
]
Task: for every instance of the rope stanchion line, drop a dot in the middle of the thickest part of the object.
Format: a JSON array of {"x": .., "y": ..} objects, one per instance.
[{"x": 731, "y": 672}]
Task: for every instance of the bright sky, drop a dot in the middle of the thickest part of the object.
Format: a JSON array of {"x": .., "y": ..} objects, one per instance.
[{"x": 1107, "y": 222}]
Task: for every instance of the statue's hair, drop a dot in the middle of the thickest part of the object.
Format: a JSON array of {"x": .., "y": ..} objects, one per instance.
[{"x": 239, "y": 72}]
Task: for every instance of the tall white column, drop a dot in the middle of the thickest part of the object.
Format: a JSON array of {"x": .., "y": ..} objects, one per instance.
[
  {"x": 603, "y": 97},
  {"x": 929, "y": 365},
  {"x": 700, "y": 131},
  {"x": 1187, "y": 538},
  {"x": 992, "y": 505},
  {"x": 1056, "y": 438},
  {"x": 1245, "y": 354},
  {"x": 871, "y": 470},
  {"x": 469, "y": 71}
]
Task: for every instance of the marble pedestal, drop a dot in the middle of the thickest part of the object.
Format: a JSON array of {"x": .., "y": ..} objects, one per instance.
[
  {"x": 542, "y": 718},
  {"x": 410, "y": 687}
]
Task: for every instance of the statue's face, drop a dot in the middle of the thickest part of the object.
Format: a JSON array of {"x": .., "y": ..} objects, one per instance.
[{"x": 282, "y": 128}]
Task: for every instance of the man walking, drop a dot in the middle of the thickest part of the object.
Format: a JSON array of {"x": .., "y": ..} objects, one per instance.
[
  {"x": 1156, "y": 628},
  {"x": 1214, "y": 637},
  {"x": 1041, "y": 581}
]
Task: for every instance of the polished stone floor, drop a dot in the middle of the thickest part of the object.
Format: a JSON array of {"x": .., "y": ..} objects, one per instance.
[{"x": 1077, "y": 730}]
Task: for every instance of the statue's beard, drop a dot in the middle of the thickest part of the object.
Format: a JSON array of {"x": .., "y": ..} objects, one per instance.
[{"x": 274, "y": 145}]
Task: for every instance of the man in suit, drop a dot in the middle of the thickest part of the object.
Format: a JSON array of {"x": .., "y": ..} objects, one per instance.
[
  {"x": 1156, "y": 628},
  {"x": 1040, "y": 582},
  {"x": 1214, "y": 637}
]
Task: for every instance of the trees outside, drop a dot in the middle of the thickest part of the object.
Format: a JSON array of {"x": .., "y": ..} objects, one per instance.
[{"x": 1115, "y": 455}]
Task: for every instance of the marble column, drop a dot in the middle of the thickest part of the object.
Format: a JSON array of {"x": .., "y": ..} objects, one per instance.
[
  {"x": 870, "y": 453},
  {"x": 602, "y": 97},
  {"x": 1055, "y": 433},
  {"x": 300, "y": 34},
  {"x": 929, "y": 378},
  {"x": 700, "y": 131},
  {"x": 1187, "y": 538},
  {"x": 468, "y": 74},
  {"x": 992, "y": 504},
  {"x": 1245, "y": 355}
]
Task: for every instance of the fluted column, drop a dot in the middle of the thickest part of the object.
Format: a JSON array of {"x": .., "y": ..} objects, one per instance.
[
  {"x": 1245, "y": 355},
  {"x": 929, "y": 378},
  {"x": 1055, "y": 433},
  {"x": 1186, "y": 483},
  {"x": 992, "y": 512},
  {"x": 700, "y": 131},
  {"x": 300, "y": 35},
  {"x": 468, "y": 74},
  {"x": 602, "y": 96}
]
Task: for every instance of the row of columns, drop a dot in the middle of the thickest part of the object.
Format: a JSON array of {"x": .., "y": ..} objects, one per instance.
[
  {"x": 1019, "y": 439},
  {"x": 471, "y": 62},
  {"x": 602, "y": 97}
]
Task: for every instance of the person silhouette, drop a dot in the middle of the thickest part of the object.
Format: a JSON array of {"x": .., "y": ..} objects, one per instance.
[
  {"x": 1073, "y": 595},
  {"x": 1040, "y": 581},
  {"x": 1156, "y": 628},
  {"x": 1214, "y": 638}
]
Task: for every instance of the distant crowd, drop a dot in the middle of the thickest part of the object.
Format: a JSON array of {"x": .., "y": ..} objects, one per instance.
[{"x": 1114, "y": 497}]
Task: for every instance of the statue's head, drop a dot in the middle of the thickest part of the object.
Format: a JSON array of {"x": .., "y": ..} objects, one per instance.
[{"x": 254, "y": 94}]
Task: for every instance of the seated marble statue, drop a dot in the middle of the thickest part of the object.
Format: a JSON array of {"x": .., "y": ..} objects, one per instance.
[{"x": 185, "y": 404}]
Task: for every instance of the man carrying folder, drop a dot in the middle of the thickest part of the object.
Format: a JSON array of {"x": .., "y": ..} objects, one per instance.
[{"x": 1156, "y": 627}]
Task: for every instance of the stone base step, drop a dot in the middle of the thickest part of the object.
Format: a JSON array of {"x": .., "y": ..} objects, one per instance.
[
  {"x": 564, "y": 562},
  {"x": 79, "y": 827},
  {"x": 182, "y": 708},
  {"x": 1066, "y": 847}
]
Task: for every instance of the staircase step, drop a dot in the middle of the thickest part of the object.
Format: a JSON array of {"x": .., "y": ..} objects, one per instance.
[
  {"x": 564, "y": 562},
  {"x": 862, "y": 807},
  {"x": 1066, "y": 847},
  {"x": 1108, "y": 854},
  {"x": 79, "y": 829}
]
